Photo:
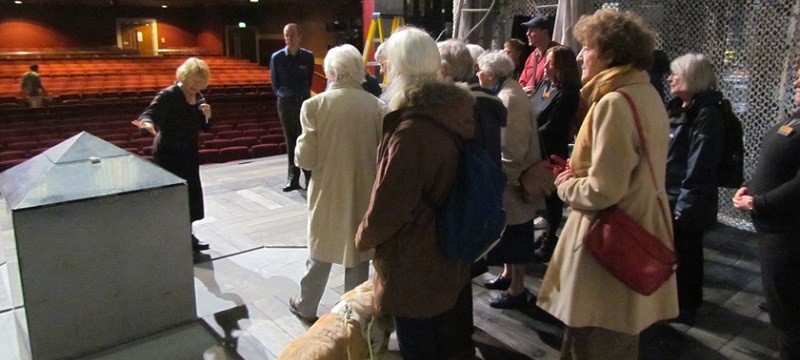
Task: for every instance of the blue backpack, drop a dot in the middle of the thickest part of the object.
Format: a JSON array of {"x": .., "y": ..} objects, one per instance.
[{"x": 471, "y": 218}]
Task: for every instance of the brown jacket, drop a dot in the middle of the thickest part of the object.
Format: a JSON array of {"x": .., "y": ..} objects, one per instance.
[{"x": 417, "y": 162}]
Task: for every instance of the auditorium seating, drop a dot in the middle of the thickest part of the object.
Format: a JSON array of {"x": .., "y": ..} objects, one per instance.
[
  {"x": 243, "y": 127},
  {"x": 101, "y": 79},
  {"x": 101, "y": 92}
]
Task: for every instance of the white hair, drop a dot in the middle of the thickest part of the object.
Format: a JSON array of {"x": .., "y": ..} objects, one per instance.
[
  {"x": 343, "y": 64},
  {"x": 475, "y": 50},
  {"x": 412, "y": 57},
  {"x": 457, "y": 61},
  {"x": 697, "y": 71},
  {"x": 380, "y": 52},
  {"x": 496, "y": 62}
]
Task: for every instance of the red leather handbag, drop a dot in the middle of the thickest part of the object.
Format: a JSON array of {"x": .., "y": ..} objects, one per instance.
[{"x": 629, "y": 252}]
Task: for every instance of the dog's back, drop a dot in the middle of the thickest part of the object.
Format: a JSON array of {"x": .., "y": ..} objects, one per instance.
[{"x": 330, "y": 338}]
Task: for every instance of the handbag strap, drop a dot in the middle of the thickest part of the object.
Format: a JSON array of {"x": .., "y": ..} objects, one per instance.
[{"x": 646, "y": 156}]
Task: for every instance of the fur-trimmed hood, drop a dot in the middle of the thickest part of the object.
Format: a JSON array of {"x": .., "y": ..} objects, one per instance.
[{"x": 449, "y": 104}]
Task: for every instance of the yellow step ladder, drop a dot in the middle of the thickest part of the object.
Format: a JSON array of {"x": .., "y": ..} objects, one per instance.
[{"x": 376, "y": 25}]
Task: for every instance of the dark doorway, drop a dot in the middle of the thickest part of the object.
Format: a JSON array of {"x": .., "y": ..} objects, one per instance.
[{"x": 241, "y": 43}]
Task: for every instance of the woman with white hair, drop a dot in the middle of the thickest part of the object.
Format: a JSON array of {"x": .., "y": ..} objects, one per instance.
[
  {"x": 520, "y": 149},
  {"x": 176, "y": 116},
  {"x": 695, "y": 150},
  {"x": 418, "y": 159},
  {"x": 475, "y": 51},
  {"x": 341, "y": 130}
]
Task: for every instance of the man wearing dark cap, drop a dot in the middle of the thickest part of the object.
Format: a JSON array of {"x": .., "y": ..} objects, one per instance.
[{"x": 540, "y": 32}]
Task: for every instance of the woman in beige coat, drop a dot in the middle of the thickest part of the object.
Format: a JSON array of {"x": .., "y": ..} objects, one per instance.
[
  {"x": 603, "y": 316},
  {"x": 341, "y": 131},
  {"x": 519, "y": 144}
]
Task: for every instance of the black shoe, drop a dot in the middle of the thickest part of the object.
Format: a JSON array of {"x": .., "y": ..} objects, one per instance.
[
  {"x": 537, "y": 243},
  {"x": 309, "y": 320},
  {"x": 762, "y": 306},
  {"x": 508, "y": 301},
  {"x": 545, "y": 252},
  {"x": 198, "y": 245},
  {"x": 291, "y": 185},
  {"x": 498, "y": 283}
]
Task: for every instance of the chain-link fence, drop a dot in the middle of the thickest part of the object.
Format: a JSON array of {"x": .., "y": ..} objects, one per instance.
[{"x": 752, "y": 43}]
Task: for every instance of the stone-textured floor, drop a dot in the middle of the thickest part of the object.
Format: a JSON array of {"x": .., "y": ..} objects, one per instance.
[{"x": 257, "y": 234}]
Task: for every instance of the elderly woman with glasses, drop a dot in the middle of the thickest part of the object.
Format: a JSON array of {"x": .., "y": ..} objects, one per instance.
[{"x": 603, "y": 316}]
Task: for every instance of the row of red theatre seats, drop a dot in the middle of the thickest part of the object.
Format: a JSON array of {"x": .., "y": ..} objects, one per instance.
[
  {"x": 141, "y": 145},
  {"x": 132, "y": 65},
  {"x": 207, "y": 156},
  {"x": 48, "y": 136},
  {"x": 101, "y": 90}
]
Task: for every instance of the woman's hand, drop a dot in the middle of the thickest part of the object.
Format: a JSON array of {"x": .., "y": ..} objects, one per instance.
[
  {"x": 145, "y": 125},
  {"x": 206, "y": 109},
  {"x": 742, "y": 201},
  {"x": 563, "y": 176},
  {"x": 529, "y": 90}
]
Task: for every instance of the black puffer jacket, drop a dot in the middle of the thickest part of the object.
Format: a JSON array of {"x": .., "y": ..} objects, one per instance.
[{"x": 695, "y": 149}]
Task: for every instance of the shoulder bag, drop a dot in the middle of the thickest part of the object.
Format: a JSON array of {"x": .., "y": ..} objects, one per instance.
[{"x": 632, "y": 254}]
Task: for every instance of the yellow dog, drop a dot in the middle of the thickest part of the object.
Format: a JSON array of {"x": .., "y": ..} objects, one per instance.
[{"x": 342, "y": 334}]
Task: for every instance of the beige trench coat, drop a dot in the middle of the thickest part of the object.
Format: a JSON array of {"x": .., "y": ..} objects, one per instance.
[
  {"x": 576, "y": 289},
  {"x": 341, "y": 131},
  {"x": 519, "y": 148}
]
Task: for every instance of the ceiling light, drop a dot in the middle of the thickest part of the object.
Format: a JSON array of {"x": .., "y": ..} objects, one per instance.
[
  {"x": 18, "y": 2},
  {"x": 253, "y": 0},
  {"x": 163, "y": 6}
]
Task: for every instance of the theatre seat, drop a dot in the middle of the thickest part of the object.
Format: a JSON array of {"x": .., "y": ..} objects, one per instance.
[
  {"x": 264, "y": 150},
  {"x": 234, "y": 153},
  {"x": 209, "y": 156}
]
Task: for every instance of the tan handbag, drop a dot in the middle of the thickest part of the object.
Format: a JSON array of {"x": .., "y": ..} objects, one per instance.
[{"x": 537, "y": 182}]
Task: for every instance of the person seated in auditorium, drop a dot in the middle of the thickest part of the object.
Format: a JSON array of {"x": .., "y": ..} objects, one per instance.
[
  {"x": 32, "y": 87},
  {"x": 176, "y": 116}
]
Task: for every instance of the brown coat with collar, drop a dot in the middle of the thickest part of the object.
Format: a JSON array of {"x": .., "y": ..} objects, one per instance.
[{"x": 417, "y": 162}]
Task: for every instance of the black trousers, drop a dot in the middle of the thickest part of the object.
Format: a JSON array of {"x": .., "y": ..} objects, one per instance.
[
  {"x": 780, "y": 279},
  {"x": 554, "y": 211},
  {"x": 447, "y": 336},
  {"x": 690, "y": 274},
  {"x": 186, "y": 165},
  {"x": 289, "y": 114}
]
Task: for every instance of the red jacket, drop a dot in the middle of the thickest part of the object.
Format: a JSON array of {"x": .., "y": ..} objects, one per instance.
[{"x": 531, "y": 68}]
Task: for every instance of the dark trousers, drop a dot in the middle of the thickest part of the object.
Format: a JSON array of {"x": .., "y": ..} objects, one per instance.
[
  {"x": 459, "y": 326},
  {"x": 689, "y": 248},
  {"x": 289, "y": 113},
  {"x": 554, "y": 211},
  {"x": 186, "y": 165},
  {"x": 421, "y": 339},
  {"x": 780, "y": 278},
  {"x": 444, "y": 336}
]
